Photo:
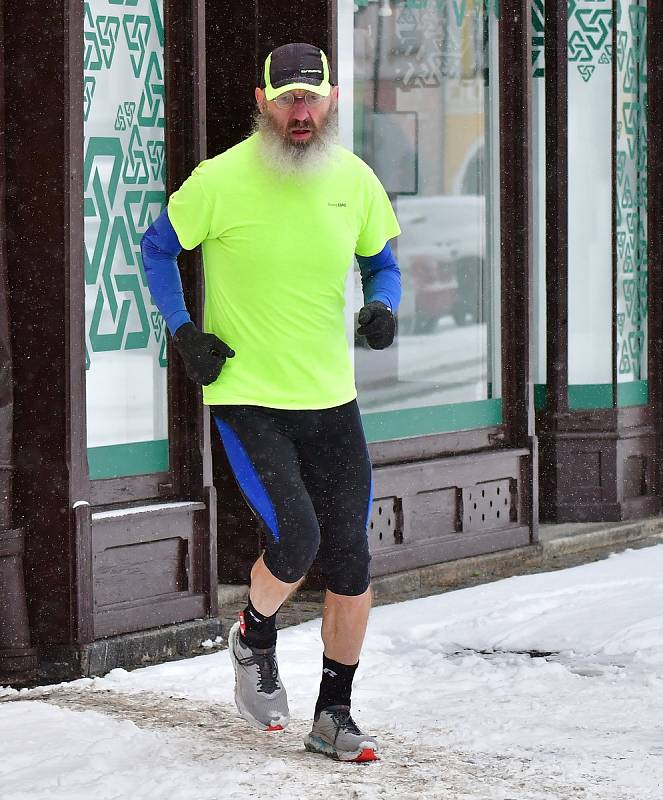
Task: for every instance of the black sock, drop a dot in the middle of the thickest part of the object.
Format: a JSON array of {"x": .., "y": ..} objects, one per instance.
[
  {"x": 256, "y": 629},
  {"x": 336, "y": 684}
]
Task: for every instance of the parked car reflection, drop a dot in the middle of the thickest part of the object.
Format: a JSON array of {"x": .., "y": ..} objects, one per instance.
[{"x": 441, "y": 254}]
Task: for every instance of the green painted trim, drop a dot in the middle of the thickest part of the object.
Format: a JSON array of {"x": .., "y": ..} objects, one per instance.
[
  {"x": 597, "y": 395},
  {"x": 540, "y": 396},
  {"x": 633, "y": 393},
  {"x": 384, "y": 425},
  {"x": 590, "y": 395},
  {"x": 123, "y": 460}
]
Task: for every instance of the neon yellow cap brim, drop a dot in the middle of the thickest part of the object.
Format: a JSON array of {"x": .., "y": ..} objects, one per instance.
[{"x": 322, "y": 89}]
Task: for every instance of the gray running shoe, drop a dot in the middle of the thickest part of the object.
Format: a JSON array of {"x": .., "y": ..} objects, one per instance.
[
  {"x": 335, "y": 734},
  {"x": 259, "y": 694}
]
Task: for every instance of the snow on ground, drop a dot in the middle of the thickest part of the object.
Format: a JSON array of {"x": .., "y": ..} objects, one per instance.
[{"x": 542, "y": 686}]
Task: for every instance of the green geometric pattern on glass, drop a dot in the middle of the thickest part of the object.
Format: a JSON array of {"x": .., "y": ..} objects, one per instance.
[
  {"x": 137, "y": 31},
  {"x": 631, "y": 211},
  {"x": 151, "y": 107},
  {"x": 155, "y": 15},
  {"x": 590, "y": 35},
  {"x": 440, "y": 39},
  {"x": 89, "y": 87},
  {"x": 103, "y": 41},
  {"x": 538, "y": 39},
  {"x": 462, "y": 8},
  {"x": 124, "y": 172}
]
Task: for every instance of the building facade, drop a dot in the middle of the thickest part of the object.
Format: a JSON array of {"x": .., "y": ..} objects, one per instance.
[{"x": 515, "y": 141}]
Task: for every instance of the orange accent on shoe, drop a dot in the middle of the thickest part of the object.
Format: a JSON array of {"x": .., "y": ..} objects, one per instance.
[
  {"x": 367, "y": 754},
  {"x": 274, "y": 728},
  {"x": 242, "y": 624}
]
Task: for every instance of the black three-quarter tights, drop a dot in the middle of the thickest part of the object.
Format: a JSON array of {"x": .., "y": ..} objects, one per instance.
[{"x": 307, "y": 475}]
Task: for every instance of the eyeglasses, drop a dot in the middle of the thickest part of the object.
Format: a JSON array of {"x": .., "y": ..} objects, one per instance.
[{"x": 287, "y": 99}]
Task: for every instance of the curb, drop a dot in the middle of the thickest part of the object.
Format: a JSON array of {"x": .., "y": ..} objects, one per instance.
[
  {"x": 455, "y": 574},
  {"x": 556, "y": 542},
  {"x": 617, "y": 535}
]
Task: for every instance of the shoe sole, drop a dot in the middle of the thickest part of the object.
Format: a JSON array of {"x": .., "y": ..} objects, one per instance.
[
  {"x": 261, "y": 726},
  {"x": 363, "y": 754}
]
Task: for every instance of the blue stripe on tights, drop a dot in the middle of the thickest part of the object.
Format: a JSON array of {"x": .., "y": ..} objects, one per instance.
[
  {"x": 247, "y": 477},
  {"x": 370, "y": 504}
]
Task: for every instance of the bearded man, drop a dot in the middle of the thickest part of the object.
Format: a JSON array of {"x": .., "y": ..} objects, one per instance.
[{"x": 280, "y": 217}]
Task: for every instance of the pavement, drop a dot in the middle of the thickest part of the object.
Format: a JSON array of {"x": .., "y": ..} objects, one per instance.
[
  {"x": 528, "y": 694},
  {"x": 560, "y": 546}
]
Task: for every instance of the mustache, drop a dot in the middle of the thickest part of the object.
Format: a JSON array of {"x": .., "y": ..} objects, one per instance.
[{"x": 301, "y": 125}]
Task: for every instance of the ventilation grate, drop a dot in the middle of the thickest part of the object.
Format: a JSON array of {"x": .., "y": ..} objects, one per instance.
[
  {"x": 490, "y": 505},
  {"x": 385, "y": 527}
]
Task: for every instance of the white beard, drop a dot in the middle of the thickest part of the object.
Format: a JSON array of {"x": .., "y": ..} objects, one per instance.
[{"x": 290, "y": 159}]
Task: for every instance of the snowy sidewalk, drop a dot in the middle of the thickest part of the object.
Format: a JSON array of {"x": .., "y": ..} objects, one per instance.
[{"x": 540, "y": 686}]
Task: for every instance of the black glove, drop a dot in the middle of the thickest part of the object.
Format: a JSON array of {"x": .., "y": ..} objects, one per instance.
[
  {"x": 377, "y": 324},
  {"x": 203, "y": 353}
]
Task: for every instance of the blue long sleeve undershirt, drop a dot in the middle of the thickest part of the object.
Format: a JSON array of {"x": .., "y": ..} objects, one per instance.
[
  {"x": 381, "y": 278},
  {"x": 380, "y": 275},
  {"x": 160, "y": 248}
]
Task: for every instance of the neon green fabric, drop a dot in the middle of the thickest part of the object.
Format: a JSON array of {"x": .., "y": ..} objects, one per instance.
[{"x": 277, "y": 252}]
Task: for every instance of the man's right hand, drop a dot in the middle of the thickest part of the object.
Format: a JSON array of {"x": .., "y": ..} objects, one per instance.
[{"x": 204, "y": 354}]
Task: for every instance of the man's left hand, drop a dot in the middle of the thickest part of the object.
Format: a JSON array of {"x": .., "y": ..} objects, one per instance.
[{"x": 377, "y": 324}]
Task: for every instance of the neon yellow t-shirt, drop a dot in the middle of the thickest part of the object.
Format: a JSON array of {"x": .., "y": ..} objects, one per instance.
[{"x": 276, "y": 254}]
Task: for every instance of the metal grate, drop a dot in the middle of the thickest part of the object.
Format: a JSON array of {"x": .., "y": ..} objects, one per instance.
[
  {"x": 489, "y": 505},
  {"x": 385, "y": 527}
]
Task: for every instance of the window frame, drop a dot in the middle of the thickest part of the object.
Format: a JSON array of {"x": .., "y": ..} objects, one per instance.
[
  {"x": 185, "y": 138},
  {"x": 515, "y": 95}
]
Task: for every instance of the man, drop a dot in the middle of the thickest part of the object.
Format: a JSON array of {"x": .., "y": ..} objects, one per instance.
[{"x": 279, "y": 217}]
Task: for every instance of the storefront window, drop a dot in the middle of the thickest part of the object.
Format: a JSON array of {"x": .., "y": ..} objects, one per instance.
[
  {"x": 590, "y": 306},
  {"x": 423, "y": 79},
  {"x": 127, "y": 416},
  {"x": 607, "y": 301}
]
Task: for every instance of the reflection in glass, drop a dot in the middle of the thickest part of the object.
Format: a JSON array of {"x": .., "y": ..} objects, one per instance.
[{"x": 425, "y": 113}]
